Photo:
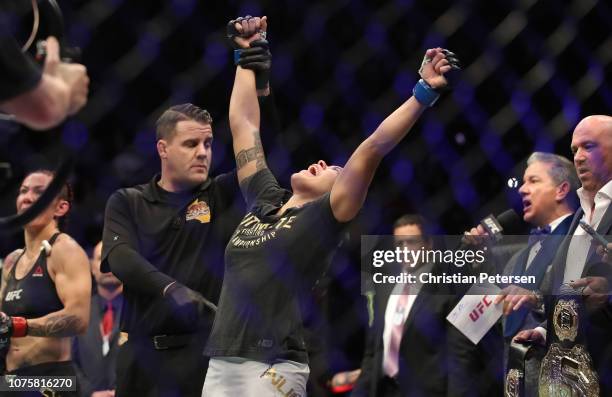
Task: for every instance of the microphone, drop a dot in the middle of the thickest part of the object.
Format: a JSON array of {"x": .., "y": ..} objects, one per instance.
[
  {"x": 508, "y": 222},
  {"x": 596, "y": 236}
]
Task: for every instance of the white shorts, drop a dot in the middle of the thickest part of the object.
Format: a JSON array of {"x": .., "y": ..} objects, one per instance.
[{"x": 237, "y": 376}]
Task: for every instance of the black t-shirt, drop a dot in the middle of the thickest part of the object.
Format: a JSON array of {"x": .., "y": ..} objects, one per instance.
[
  {"x": 182, "y": 235},
  {"x": 18, "y": 73},
  {"x": 271, "y": 261}
]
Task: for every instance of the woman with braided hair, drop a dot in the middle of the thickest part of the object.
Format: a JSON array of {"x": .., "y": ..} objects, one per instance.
[{"x": 45, "y": 291}]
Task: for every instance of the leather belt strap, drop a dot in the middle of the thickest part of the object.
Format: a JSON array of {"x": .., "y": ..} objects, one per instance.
[{"x": 162, "y": 342}]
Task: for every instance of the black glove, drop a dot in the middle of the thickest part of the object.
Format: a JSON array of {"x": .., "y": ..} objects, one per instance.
[
  {"x": 3, "y": 353},
  {"x": 15, "y": 327},
  {"x": 10, "y": 327},
  {"x": 187, "y": 303},
  {"x": 232, "y": 33},
  {"x": 259, "y": 59},
  {"x": 451, "y": 76},
  {"x": 6, "y": 330}
]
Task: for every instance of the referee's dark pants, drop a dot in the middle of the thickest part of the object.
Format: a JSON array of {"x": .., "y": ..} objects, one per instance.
[{"x": 162, "y": 367}]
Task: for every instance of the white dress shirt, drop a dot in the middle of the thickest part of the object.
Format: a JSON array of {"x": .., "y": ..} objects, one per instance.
[
  {"x": 581, "y": 241},
  {"x": 537, "y": 246},
  {"x": 391, "y": 315}
]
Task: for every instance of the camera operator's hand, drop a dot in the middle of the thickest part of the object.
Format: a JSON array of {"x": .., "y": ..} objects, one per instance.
[
  {"x": 61, "y": 91},
  {"x": 72, "y": 75}
]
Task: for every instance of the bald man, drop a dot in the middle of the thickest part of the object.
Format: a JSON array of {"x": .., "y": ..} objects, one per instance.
[{"x": 578, "y": 262}]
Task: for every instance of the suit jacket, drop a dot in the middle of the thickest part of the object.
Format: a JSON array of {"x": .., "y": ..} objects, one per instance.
[
  {"x": 593, "y": 265},
  {"x": 95, "y": 371},
  {"x": 540, "y": 266},
  {"x": 599, "y": 322},
  {"x": 478, "y": 370},
  {"x": 423, "y": 359}
]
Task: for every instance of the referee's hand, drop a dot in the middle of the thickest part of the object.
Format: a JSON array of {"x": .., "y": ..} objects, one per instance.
[{"x": 188, "y": 304}]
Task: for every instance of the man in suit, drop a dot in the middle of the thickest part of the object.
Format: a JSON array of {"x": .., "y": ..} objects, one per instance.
[
  {"x": 577, "y": 262},
  {"x": 406, "y": 349},
  {"x": 549, "y": 200},
  {"x": 548, "y": 197},
  {"x": 95, "y": 352}
]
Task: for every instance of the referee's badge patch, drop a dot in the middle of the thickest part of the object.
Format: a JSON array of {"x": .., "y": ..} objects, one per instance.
[{"x": 198, "y": 210}]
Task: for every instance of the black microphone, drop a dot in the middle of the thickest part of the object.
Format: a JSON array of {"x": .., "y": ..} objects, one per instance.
[
  {"x": 596, "y": 236},
  {"x": 508, "y": 222}
]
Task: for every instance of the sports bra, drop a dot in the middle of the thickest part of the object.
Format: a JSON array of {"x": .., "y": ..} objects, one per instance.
[{"x": 34, "y": 295}]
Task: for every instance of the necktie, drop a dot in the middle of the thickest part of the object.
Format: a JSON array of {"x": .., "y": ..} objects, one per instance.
[
  {"x": 390, "y": 362},
  {"x": 538, "y": 234},
  {"x": 106, "y": 327}
]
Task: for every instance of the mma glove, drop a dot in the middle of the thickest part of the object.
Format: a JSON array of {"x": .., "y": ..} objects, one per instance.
[
  {"x": 256, "y": 58},
  {"x": 426, "y": 94},
  {"x": 231, "y": 33},
  {"x": 11, "y": 327}
]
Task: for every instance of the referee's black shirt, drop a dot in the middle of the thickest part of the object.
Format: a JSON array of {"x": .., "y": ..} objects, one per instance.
[{"x": 181, "y": 235}]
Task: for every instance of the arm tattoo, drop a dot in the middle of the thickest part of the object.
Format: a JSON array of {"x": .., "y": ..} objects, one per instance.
[
  {"x": 256, "y": 153},
  {"x": 6, "y": 271},
  {"x": 59, "y": 326}
]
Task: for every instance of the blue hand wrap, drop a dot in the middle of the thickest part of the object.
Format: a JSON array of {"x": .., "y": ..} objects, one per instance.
[
  {"x": 237, "y": 56},
  {"x": 424, "y": 93}
]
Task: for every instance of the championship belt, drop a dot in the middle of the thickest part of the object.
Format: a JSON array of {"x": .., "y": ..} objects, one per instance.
[
  {"x": 514, "y": 385},
  {"x": 518, "y": 354},
  {"x": 567, "y": 369}
]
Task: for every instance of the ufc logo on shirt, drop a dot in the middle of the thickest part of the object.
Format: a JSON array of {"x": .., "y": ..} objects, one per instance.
[{"x": 13, "y": 295}]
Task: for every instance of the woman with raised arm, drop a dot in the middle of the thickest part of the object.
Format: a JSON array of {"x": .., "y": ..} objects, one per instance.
[
  {"x": 281, "y": 247},
  {"x": 45, "y": 292}
]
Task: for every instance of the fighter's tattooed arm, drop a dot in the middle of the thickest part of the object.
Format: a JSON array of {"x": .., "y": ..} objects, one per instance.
[
  {"x": 254, "y": 153},
  {"x": 244, "y": 117},
  {"x": 68, "y": 266},
  {"x": 9, "y": 262},
  {"x": 60, "y": 325}
]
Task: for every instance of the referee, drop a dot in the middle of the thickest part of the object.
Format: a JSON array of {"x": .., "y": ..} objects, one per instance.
[{"x": 165, "y": 241}]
